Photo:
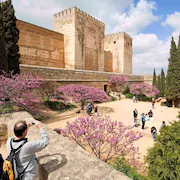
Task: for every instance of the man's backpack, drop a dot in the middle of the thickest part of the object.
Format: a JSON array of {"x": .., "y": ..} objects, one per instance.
[
  {"x": 9, "y": 166},
  {"x": 1, "y": 165}
]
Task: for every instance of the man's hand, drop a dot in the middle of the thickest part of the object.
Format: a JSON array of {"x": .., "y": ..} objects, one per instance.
[
  {"x": 38, "y": 124},
  {"x": 35, "y": 122}
]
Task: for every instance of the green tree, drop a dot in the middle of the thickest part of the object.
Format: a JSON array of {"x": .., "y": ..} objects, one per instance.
[
  {"x": 154, "y": 78},
  {"x": 173, "y": 73},
  {"x": 162, "y": 83},
  {"x": 159, "y": 83},
  {"x": 164, "y": 158},
  {"x": 3, "y": 54},
  {"x": 11, "y": 36}
]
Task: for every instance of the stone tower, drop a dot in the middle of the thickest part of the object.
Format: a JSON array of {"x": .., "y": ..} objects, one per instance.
[
  {"x": 83, "y": 39},
  {"x": 120, "y": 44}
]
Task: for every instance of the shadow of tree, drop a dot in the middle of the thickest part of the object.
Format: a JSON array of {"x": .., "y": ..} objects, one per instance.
[
  {"x": 52, "y": 164},
  {"x": 60, "y": 117},
  {"x": 105, "y": 110}
]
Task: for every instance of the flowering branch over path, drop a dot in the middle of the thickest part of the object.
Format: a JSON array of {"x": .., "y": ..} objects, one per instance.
[
  {"x": 19, "y": 90},
  {"x": 81, "y": 93},
  {"x": 116, "y": 81},
  {"x": 105, "y": 138},
  {"x": 144, "y": 89}
]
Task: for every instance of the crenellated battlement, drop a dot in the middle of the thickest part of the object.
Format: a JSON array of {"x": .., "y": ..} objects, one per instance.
[
  {"x": 63, "y": 13},
  {"x": 116, "y": 35},
  {"x": 89, "y": 16},
  {"x": 77, "y": 10}
]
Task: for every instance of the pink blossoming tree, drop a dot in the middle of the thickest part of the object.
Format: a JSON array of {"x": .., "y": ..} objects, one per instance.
[
  {"x": 19, "y": 91},
  {"x": 81, "y": 94},
  {"x": 105, "y": 138},
  {"x": 144, "y": 89},
  {"x": 118, "y": 81}
]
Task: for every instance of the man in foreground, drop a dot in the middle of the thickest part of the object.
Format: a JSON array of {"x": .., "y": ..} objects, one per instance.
[{"x": 26, "y": 161}]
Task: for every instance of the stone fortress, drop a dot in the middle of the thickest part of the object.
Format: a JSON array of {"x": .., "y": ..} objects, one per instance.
[
  {"x": 77, "y": 42},
  {"x": 77, "y": 51}
]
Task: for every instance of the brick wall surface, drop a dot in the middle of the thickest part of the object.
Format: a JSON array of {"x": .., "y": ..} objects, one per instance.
[
  {"x": 108, "y": 61},
  {"x": 40, "y": 46},
  {"x": 120, "y": 44}
]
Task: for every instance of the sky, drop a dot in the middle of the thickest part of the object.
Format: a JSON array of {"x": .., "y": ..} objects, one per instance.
[{"x": 151, "y": 24}]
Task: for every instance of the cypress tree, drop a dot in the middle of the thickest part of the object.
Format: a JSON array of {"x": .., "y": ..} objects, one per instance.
[
  {"x": 173, "y": 74},
  {"x": 159, "y": 83},
  {"x": 12, "y": 36},
  {"x": 3, "y": 53},
  {"x": 162, "y": 83},
  {"x": 154, "y": 78}
]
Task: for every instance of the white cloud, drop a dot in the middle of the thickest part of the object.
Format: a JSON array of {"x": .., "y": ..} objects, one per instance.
[
  {"x": 173, "y": 20},
  {"x": 150, "y": 52},
  {"x": 136, "y": 19},
  {"x": 40, "y": 12}
]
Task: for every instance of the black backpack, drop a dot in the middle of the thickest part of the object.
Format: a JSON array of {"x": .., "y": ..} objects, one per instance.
[
  {"x": 1, "y": 165},
  {"x": 9, "y": 165}
]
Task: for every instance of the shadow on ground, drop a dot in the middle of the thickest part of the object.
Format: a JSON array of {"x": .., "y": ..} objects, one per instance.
[
  {"x": 60, "y": 117},
  {"x": 105, "y": 110}
]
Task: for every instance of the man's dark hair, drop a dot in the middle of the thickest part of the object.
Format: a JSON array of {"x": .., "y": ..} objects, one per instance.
[{"x": 19, "y": 128}]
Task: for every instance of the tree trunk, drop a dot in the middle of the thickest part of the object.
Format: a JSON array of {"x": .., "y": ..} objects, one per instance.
[
  {"x": 173, "y": 104},
  {"x": 82, "y": 105}
]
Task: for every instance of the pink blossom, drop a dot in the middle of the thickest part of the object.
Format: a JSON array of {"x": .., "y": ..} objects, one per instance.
[
  {"x": 144, "y": 89},
  {"x": 81, "y": 94},
  {"x": 116, "y": 81},
  {"x": 106, "y": 138}
]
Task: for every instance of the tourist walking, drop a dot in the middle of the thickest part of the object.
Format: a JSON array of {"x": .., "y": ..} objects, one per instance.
[
  {"x": 88, "y": 108},
  {"x": 154, "y": 132},
  {"x": 150, "y": 114},
  {"x": 143, "y": 118},
  {"x": 135, "y": 114},
  {"x": 134, "y": 98},
  {"x": 162, "y": 125},
  {"x": 96, "y": 111},
  {"x": 153, "y": 103},
  {"x": 26, "y": 161}
]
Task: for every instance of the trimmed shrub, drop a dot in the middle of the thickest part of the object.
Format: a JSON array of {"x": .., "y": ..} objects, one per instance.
[
  {"x": 164, "y": 158},
  {"x": 130, "y": 96},
  {"x": 163, "y": 104},
  {"x": 58, "y": 106},
  {"x": 112, "y": 98},
  {"x": 122, "y": 166}
]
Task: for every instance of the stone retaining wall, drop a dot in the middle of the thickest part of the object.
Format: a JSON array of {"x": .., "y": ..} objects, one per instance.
[
  {"x": 66, "y": 76},
  {"x": 63, "y": 159}
]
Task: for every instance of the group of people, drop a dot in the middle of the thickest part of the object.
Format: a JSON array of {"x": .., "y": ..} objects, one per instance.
[
  {"x": 24, "y": 151},
  {"x": 144, "y": 118},
  {"x": 154, "y": 130},
  {"x": 89, "y": 108},
  {"x": 135, "y": 99}
]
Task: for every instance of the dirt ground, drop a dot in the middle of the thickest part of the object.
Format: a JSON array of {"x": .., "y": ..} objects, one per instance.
[{"x": 121, "y": 111}]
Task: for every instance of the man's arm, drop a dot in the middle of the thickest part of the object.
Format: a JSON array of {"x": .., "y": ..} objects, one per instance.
[{"x": 38, "y": 145}]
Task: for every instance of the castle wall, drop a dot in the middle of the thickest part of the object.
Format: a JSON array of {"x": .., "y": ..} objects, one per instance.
[
  {"x": 108, "y": 61},
  {"x": 89, "y": 42},
  {"x": 148, "y": 79},
  {"x": 40, "y": 46},
  {"x": 64, "y": 22},
  {"x": 120, "y": 44},
  {"x": 84, "y": 39},
  {"x": 67, "y": 76}
]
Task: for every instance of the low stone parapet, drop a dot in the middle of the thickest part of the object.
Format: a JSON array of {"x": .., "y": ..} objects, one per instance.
[{"x": 63, "y": 159}]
